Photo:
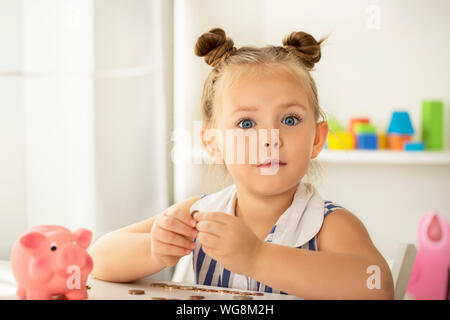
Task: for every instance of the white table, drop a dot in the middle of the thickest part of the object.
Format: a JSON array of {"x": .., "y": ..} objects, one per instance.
[{"x": 103, "y": 290}]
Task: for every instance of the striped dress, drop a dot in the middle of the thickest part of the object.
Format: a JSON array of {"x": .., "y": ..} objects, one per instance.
[{"x": 209, "y": 272}]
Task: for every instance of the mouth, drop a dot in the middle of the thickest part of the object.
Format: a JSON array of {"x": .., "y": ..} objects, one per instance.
[{"x": 271, "y": 162}]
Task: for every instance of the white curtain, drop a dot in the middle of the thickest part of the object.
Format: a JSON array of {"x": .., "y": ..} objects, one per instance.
[{"x": 85, "y": 113}]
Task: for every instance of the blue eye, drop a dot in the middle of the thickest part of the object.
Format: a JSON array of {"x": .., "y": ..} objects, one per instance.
[
  {"x": 291, "y": 120},
  {"x": 246, "y": 123}
]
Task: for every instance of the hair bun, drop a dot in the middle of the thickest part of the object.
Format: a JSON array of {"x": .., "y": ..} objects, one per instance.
[
  {"x": 304, "y": 46},
  {"x": 215, "y": 46}
]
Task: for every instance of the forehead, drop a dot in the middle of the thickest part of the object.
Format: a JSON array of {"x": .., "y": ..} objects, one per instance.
[{"x": 261, "y": 85}]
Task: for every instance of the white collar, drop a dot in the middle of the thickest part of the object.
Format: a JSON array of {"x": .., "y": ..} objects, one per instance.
[{"x": 296, "y": 226}]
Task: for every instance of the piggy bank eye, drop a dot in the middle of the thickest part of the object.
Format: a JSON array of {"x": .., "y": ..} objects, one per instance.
[{"x": 53, "y": 246}]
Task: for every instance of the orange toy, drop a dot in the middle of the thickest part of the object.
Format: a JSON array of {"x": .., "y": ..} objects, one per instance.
[
  {"x": 351, "y": 127},
  {"x": 397, "y": 141}
]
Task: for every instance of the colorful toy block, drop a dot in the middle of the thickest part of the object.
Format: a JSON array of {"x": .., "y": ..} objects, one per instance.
[
  {"x": 351, "y": 127},
  {"x": 397, "y": 141},
  {"x": 432, "y": 124},
  {"x": 414, "y": 146},
  {"x": 400, "y": 123},
  {"x": 400, "y": 130},
  {"x": 367, "y": 141},
  {"x": 382, "y": 141},
  {"x": 364, "y": 128},
  {"x": 340, "y": 141}
]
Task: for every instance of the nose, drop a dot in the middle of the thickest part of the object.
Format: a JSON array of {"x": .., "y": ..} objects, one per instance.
[
  {"x": 275, "y": 144},
  {"x": 70, "y": 254}
]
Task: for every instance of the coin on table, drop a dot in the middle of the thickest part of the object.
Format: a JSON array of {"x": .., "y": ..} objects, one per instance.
[
  {"x": 226, "y": 291},
  {"x": 186, "y": 288},
  {"x": 158, "y": 298},
  {"x": 242, "y": 297},
  {"x": 158, "y": 285},
  {"x": 173, "y": 286},
  {"x": 136, "y": 291},
  {"x": 197, "y": 297},
  {"x": 257, "y": 294}
]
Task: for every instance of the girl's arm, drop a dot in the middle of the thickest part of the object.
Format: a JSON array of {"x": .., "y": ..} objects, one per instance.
[
  {"x": 338, "y": 271},
  {"x": 125, "y": 255}
]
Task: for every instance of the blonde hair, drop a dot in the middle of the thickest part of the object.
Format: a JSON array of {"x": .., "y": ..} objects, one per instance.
[{"x": 298, "y": 55}]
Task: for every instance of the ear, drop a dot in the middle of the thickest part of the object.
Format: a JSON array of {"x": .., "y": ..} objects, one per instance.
[
  {"x": 84, "y": 237},
  {"x": 211, "y": 140},
  {"x": 320, "y": 138},
  {"x": 434, "y": 231},
  {"x": 33, "y": 240}
]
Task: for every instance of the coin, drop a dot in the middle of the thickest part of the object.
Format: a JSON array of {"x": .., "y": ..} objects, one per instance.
[
  {"x": 171, "y": 286},
  {"x": 197, "y": 297},
  {"x": 242, "y": 298},
  {"x": 158, "y": 298},
  {"x": 174, "y": 286},
  {"x": 227, "y": 291},
  {"x": 257, "y": 294},
  {"x": 186, "y": 288},
  {"x": 200, "y": 289},
  {"x": 136, "y": 291},
  {"x": 158, "y": 285}
]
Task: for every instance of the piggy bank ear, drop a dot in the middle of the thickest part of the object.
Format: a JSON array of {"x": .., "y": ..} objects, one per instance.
[
  {"x": 33, "y": 240},
  {"x": 84, "y": 237},
  {"x": 434, "y": 231}
]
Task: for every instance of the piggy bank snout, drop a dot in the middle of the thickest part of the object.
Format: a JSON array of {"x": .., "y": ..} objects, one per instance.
[{"x": 69, "y": 255}]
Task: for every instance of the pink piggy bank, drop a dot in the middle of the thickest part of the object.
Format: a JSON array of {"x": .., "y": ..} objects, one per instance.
[
  {"x": 51, "y": 260},
  {"x": 431, "y": 271}
]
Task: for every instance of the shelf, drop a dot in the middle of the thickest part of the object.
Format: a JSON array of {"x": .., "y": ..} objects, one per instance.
[{"x": 385, "y": 157}]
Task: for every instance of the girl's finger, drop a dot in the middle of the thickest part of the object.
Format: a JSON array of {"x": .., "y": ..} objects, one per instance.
[
  {"x": 220, "y": 217},
  {"x": 212, "y": 227},
  {"x": 171, "y": 223},
  {"x": 208, "y": 240},
  {"x": 182, "y": 216},
  {"x": 170, "y": 250},
  {"x": 172, "y": 238}
]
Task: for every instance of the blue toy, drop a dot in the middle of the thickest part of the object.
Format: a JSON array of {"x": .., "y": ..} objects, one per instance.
[
  {"x": 400, "y": 123},
  {"x": 414, "y": 146},
  {"x": 367, "y": 141}
]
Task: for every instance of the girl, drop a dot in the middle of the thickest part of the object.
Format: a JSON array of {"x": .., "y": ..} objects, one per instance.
[{"x": 268, "y": 231}]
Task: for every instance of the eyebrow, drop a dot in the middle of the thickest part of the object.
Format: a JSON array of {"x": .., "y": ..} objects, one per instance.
[{"x": 283, "y": 105}]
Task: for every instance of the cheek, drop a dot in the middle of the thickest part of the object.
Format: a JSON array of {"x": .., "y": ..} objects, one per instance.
[{"x": 300, "y": 142}]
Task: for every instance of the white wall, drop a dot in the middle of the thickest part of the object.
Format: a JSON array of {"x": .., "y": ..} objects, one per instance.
[
  {"x": 83, "y": 114},
  {"x": 12, "y": 124},
  {"x": 366, "y": 71},
  {"x": 363, "y": 72},
  {"x": 371, "y": 72}
]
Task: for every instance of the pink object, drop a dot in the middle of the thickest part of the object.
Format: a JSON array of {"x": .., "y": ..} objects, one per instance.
[
  {"x": 51, "y": 260},
  {"x": 431, "y": 271}
]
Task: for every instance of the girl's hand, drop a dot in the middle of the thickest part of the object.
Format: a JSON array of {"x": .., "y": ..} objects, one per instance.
[
  {"x": 228, "y": 240},
  {"x": 172, "y": 236}
]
